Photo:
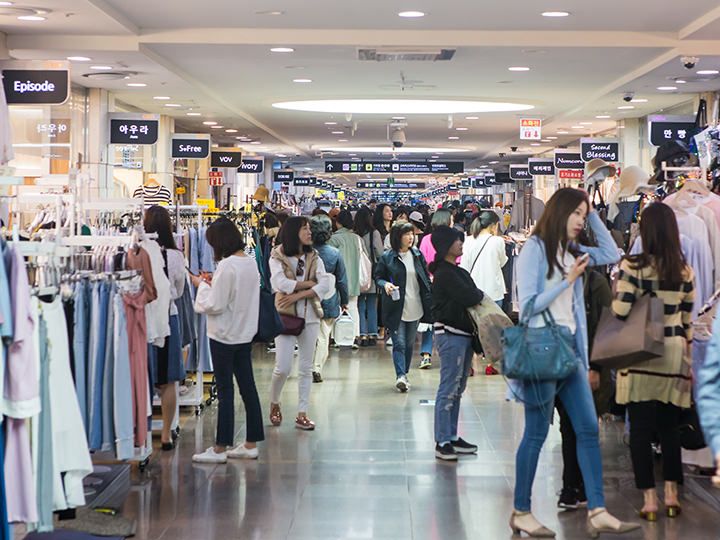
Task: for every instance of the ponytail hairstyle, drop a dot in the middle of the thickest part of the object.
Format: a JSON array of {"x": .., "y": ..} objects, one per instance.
[{"x": 485, "y": 220}]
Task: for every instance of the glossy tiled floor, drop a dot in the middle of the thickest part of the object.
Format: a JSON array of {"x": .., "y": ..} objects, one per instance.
[{"x": 369, "y": 470}]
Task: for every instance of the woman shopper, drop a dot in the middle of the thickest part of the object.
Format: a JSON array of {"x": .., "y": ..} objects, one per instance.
[
  {"x": 298, "y": 276},
  {"x": 321, "y": 230},
  {"x": 167, "y": 361},
  {"x": 231, "y": 301},
  {"x": 349, "y": 245},
  {"x": 551, "y": 265},
  {"x": 382, "y": 223},
  {"x": 367, "y": 302},
  {"x": 657, "y": 390},
  {"x": 708, "y": 396},
  {"x": 484, "y": 257},
  {"x": 453, "y": 291},
  {"x": 401, "y": 274}
]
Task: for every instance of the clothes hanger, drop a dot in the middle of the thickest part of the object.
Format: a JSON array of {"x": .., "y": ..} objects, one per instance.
[{"x": 151, "y": 182}]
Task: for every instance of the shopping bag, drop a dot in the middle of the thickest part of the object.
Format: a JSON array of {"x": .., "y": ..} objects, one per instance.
[
  {"x": 269, "y": 324},
  {"x": 490, "y": 321},
  {"x": 366, "y": 278},
  {"x": 344, "y": 332}
]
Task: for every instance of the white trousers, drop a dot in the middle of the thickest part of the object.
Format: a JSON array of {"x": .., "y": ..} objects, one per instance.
[
  {"x": 284, "y": 353},
  {"x": 322, "y": 348},
  {"x": 354, "y": 313}
]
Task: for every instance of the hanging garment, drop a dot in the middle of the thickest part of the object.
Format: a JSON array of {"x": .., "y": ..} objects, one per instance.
[
  {"x": 138, "y": 346},
  {"x": 4, "y": 521},
  {"x": 19, "y": 476},
  {"x": 122, "y": 383},
  {"x": 96, "y": 366},
  {"x": 138, "y": 259},
  {"x": 152, "y": 195},
  {"x": 158, "y": 311},
  {"x": 186, "y": 314},
  {"x": 81, "y": 319},
  {"x": 6, "y": 148},
  {"x": 106, "y": 405},
  {"x": 70, "y": 454},
  {"x": 194, "y": 259}
]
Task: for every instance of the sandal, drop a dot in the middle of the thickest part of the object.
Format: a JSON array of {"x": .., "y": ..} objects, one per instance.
[
  {"x": 275, "y": 414},
  {"x": 304, "y": 423}
]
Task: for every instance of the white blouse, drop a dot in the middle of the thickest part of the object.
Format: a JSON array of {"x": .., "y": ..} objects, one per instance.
[{"x": 487, "y": 271}]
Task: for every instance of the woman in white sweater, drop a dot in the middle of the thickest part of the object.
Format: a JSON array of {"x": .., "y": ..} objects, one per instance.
[
  {"x": 484, "y": 256},
  {"x": 231, "y": 301}
]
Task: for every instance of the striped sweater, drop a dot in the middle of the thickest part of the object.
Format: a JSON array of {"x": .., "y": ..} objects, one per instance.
[{"x": 666, "y": 379}]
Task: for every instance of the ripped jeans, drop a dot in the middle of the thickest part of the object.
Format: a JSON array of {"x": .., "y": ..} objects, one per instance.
[{"x": 455, "y": 362}]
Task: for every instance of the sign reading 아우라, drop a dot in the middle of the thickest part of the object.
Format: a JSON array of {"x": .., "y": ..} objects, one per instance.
[
  {"x": 133, "y": 131},
  {"x": 605, "y": 149},
  {"x": 530, "y": 129}
]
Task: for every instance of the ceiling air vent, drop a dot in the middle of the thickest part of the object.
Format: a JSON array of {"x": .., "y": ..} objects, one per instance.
[
  {"x": 405, "y": 55},
  {"x": 110, "y": 75}
]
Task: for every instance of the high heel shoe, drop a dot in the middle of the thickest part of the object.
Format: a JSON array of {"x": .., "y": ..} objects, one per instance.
[
  {"x": 538, "y": 532},
  {"x": 648, "y": 516},
  {"x": 673, "y": 510},
  {"x": 595, "y": 530}
]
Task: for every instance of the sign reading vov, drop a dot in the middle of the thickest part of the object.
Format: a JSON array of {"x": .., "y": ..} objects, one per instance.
[
  {"x": 252, "y": 166},
  {"x": 36, "y": 86},
  {"x": 541, "y": 167},
  {"x": 605, "y": 149},
  {"x": 520, "y": 172},
  {"x": 190, "y": 147},
  {"x": 228, "y": 160},
  {"x": 567, "y": 159},
  {"x": 664, "y": 128}
]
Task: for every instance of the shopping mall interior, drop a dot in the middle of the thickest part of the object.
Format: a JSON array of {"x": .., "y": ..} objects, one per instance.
[{"x": 114, "y": 420}]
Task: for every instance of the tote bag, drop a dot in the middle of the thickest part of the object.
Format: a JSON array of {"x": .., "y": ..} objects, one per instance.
[{"x": 366, "y": 281}]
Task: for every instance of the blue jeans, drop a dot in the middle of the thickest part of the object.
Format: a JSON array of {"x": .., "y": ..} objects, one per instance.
[
  {"x": 403, "y": 341},
  {"x": 426, "y": 343},
  {"x": 96, "y": 366},
  {"x": 575, "y": 394},
  {"x": 367, "y": 306},
  {"x": 456, "y": 359}
]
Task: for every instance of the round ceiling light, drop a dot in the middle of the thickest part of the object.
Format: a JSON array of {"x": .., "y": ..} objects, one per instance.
[
  {"x": 411, "y": 14},
  {"x": 400, "y": 106},
  {"x": 403, "y": 150},
  {"x": 556, "y": 14},
  {"x": 5, "y": 4}
]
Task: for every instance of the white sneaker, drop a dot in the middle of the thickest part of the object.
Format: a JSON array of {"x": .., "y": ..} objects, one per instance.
[
  {"x": 210, "y": 456},
  {"x": 241, "y": 452},
  {"x": 401, "y": 384}
]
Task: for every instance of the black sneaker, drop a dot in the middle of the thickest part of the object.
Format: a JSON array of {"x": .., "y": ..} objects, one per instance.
[
  {"x": 568, "y": 499},
  {"x": 446, "y": 452},
  {"x": 582, "y": 498},
  {"x": 317, "y": 378},
  {"x": 463, "y": 447}
]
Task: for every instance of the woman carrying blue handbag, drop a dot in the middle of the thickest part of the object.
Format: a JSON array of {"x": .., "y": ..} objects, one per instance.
[{"x": 548, "y": 352}]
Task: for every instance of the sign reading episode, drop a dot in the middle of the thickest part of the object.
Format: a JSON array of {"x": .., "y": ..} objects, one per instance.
[
  {"x": 130, "y": 131},
  {"x": 190, "y": 148},
  {"x": 228, "y": 160},
  {"x": 541, "y": 167},
  {"x": 36, "y": 86},
  {"x": 520, "y": 172},
  {"x": 530, "y": 129},
  {"x": 567, "y": 159},
  {"x": 670, "y": 128},
  {"x": 605, "y": 149}
]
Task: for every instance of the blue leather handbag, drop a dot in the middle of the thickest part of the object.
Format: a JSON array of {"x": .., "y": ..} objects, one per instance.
[{"x": 538, "y": 354}]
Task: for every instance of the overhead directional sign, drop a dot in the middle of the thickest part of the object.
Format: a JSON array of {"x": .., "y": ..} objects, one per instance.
[
  {"x": 606, "y": 149},
  {"x": 541, "y": 167},
  {"x": 520, "y": 172},
  {"x": 568, "y": 159},
  {"x": 384, "y": 184},
  {"x": 530, "y": 129},
  {"x": 395, "y": 167},
  {"x": 503, "y": 178},
  {"x": 670, "y": 128}
]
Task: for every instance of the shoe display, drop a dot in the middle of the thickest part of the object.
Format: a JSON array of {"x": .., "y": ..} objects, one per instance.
[
  {"x": 446, "y": 452},
  {"x": 210, "y": 456},
  {"x": 304, "y": 423},
  {"x": 317, "y": 378},
  {"x": 401, "y": 384},
  {"x": 242, "y": 452},
  {"x": 275, "y": 414},
  {"x": 461, "y": 446}
]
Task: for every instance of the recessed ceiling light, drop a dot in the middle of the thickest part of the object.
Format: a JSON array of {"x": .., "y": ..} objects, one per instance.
[
  {"x": 472, "y": 118},
  {"x": 518, "y": 68},
  {"x": 209, "y": 123},
  {"x": 194, "y": 114},
  {"x": 453, "y": 138},
  {"x": 33, "y": 18},
  {"x": 563, "y": 132},
  {"x": 342, "y": 140},
  {"x": 708, "y": 72},
  {"x": 337, "y": 132},
  {"x": 602, "y": 116},
  {"x": 666, "y": 88},
  {"x": 217, "y": 127},
  {"x": 552, "y": 138},
  {"x": 231, "y": 131},
  {"x": 680, "y": 81},
  {"x": 173, "y": 105},
  {"x": 493, "y": 162},
  {"x": 302, "y": 81},
  {"x": 101, "y": 68},
  {"x": 282, "y": 50},
  {"x": 577, "y": 127},
  {"x": 255, "y": 142},
  {"x": 461, "y": 129},
  {"x": 163, "y": 98},
  {"x": 639, "y": 100},
  {"x": 137, "y": 84},
  {"x": 535, "y": 144},
  {"x": 435, "y": 157},
  {"x": 403, "y": 150},
  {"x": 626, "y": 107},
  {"x": 545, "y": 140},
  {"x": 411, "y": 14},
  {"x": 398, "y": 118},
  {"x": 281, "y": 155},
  {"x": 555, "y": 14},
  {"x": 6, "y": 4},
  {"x": 405, "y": 106},
  {"x": 331, "y": 123},
  {"x": 79, "y": 59},
  {"x": 585, "y": 123},
  {"x": 273, "y": 13}
]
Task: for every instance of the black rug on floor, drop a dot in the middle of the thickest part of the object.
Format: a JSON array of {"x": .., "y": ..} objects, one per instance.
[{"x": 68, "y": 535}]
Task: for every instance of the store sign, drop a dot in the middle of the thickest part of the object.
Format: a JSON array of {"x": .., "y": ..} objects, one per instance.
[
  {"x": 252, "y": 166},
  {"x": 53, "y": 129},
  {"x": 36, "y": 87},
  {"x": 228, "y": 160},
  {"x": 530, "y": 129},
  {"x": 503, "y": 178},
  {"x": 478, "y": 182},
  {"x": 670, "y": 128},
  {"x": 571, "y": 174},
  {"x": 388, "y": 185},
  {"x": 128, "y": 131},
  {"x": 283, "y": 176},
  {"x": 604, "y": 149},
  {"x": 216, "y": 178},
  {"x": 541, "y": 167},
  {"x": 190, "y": 148},
  {"x": 465, "y": 183},
  {"x": 520, "y": 172},
  {"x": 313, "y": 181},
  {"x": 395, "y": 167},
  {"x": 565, "y": 159},
  {"x": 301, "y": 182}
]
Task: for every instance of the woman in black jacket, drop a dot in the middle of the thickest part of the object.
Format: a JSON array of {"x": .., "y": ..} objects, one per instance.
[
  {"x": 401, "y": 273},
  {"x": 453, "y": 291}
]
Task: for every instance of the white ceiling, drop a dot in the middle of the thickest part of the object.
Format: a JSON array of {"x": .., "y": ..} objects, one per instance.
[{"x": 214, "y": 59}]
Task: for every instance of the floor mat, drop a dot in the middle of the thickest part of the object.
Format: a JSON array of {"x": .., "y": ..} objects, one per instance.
[{"x": 68, "y": 535}]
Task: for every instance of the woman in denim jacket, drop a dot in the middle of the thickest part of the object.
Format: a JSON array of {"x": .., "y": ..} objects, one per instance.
[
  {"x": 550, "y": 272},
  {"x": 708, "y": 396}
]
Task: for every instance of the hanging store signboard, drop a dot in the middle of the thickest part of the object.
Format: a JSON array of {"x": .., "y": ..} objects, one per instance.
[
  {"x": 228, "y": 160},
  {"x": 283, "y": 176},
  {"x": 541, "y": 167},
  {"x": 520, "y": 172},
  {"x": 567, "y": 159},
  {"x": 571, "y": 174},
  {"x": 387, "y": 185},
  {"x": 251, "y": 166},
  {"x": 670, "y": 128},
  {"x": 605, "y": 149},
  {"x": 503, "y": 178},
  {"x": 395, "y": 167},
  {"x": 190, "y": 147},
  {"x": 216, "y": 178},
  {"x": 46, "y": 84},
  {"x": 466, "y": 183},
  {"x": 530, "y": 129},
  {"x": 133, "y": 131},
  {"x": 301, "y": 182}
]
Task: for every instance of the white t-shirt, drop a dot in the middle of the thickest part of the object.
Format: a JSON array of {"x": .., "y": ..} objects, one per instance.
[
  {"x": 412, "y": 308},
  {"x": 562, "y": 307}
]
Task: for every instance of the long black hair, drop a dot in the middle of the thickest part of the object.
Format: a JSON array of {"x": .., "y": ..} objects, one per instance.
[
  {"x": 157, "y": 220},
  {"x": 363, "y": 221},
  {"x": 379, "y": 221}
]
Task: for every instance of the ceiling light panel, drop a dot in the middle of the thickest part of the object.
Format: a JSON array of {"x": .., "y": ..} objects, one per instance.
[{"x": 400, "y": 106}]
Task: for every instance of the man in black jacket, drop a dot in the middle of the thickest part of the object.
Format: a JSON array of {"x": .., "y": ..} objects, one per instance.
[{"x": 453, "y": 291}]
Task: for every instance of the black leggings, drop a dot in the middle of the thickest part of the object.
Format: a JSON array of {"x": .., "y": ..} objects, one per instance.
[
  {"x": 229, "y": 360},
  {"x": 648, "y": 419}
]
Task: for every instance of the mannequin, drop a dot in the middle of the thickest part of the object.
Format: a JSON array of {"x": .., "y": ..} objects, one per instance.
[{"x": 526, "y": 210}]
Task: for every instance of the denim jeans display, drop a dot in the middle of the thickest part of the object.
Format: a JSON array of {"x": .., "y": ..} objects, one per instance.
[
  {"x": 456, "y": 360},
  {"x": 403, "y": 342}
]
